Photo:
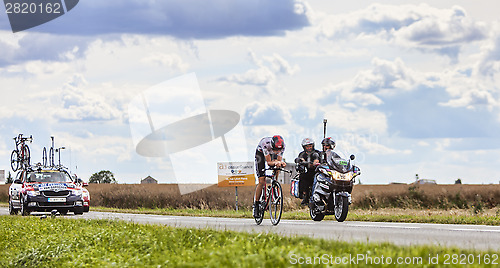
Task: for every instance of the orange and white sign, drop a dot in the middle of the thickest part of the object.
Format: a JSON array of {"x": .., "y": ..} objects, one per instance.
[{"x": 235, "y": 174}]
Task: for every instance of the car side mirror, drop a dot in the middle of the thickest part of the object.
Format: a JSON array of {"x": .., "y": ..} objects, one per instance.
[
  {"x": 18, "y": 181},
  {"x": 352, "y": 157}
]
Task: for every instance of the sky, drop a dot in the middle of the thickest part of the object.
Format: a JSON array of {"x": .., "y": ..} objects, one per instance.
[{"x": 408, "y": 88}]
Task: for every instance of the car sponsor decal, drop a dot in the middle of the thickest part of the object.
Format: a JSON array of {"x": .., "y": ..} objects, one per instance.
[{"x": 54, "y": 186}]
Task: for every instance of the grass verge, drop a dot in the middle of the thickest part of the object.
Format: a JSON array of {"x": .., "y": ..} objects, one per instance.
[{"x": 59, "y": 242}]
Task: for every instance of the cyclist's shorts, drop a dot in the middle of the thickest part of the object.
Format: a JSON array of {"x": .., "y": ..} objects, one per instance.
[{"x": 260, "y": 164}]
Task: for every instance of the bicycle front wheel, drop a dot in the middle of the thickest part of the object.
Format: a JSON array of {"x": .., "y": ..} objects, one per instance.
[
  {"x": 14, "y": 160},
  {"x": 262, "y": 199},
  {"x": 276, "y": 203}
]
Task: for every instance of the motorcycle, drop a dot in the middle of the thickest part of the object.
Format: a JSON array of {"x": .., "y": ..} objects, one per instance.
[{"x": 334, "y": 181}]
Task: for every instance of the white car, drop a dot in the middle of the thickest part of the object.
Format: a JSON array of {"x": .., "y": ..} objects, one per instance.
[{"x": 45, "y": 189}]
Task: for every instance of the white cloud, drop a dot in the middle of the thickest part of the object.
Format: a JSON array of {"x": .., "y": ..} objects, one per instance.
[
  {"x": 473, "y": 99},
  {"x": 265, "y": 114},
  {"x": 415, "y": 26},
  {"x": 268, "y": 69},
  {"x": 79, "y": 104},
  {"x": 489, "y": 64},
  {"x": 170, "y": 61}
]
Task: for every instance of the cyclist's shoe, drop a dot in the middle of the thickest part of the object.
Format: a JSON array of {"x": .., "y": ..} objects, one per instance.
[{"x": 256, "y": 209}]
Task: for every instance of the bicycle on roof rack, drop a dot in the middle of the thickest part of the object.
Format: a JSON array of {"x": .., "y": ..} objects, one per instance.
[
  {"x": 272, "y": 198},
  {"x": 20, "y": 157},
  {"x": 49, "y": 161}
]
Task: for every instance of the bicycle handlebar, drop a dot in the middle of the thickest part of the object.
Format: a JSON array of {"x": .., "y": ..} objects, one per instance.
[{"x": 280, "y": 168}]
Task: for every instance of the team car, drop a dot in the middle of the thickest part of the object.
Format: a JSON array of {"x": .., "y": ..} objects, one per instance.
[{"x": 46, "y": 189}]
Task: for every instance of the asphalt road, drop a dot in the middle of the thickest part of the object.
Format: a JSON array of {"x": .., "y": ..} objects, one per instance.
[{"x": 462, "y": 236}]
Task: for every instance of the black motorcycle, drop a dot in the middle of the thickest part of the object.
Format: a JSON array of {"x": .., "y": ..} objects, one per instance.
[{"x": 333, "y": 187}]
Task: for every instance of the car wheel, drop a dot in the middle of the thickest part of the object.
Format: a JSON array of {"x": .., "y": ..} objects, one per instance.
[
  {"x": 12, "y": 210},
  {"x": 78, "y": 210},
  {"x": 24, "y": 208},
  {"x": 86, "y": 209},
  {"x": 63, "y": 211}
]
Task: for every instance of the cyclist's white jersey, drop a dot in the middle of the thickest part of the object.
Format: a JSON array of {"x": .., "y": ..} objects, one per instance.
[{"x": 265, "y": 147}]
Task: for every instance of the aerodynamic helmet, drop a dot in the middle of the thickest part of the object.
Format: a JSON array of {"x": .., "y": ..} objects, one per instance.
[
  {"x": 277, "y": 142},
  {"x": 307, "y": 141},
  {"x": 328, "y": 141}
]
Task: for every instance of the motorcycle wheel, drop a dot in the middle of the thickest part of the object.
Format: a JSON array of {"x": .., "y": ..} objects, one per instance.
[
  {"x": 341, "y": 208},
  {"x": 314, "y": 215}
]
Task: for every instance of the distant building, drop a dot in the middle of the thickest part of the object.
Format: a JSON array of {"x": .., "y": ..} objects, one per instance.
[
  {"x": 149, "y": 179},
  {"x": 424, "y": 181}
]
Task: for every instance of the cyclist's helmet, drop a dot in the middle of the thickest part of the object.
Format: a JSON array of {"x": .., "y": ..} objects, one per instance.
[
  {"x": 277, "y": 142},
  {"x": 328, "y": 141},
  {"x": 307, "y": 141}
]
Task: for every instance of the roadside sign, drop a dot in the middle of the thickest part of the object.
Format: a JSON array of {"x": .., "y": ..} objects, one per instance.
[{"x": 232, "y": 174}]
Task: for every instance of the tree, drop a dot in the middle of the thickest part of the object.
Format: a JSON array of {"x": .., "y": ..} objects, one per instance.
[
  {"x": 458, "y": 181},
  {"x": 103, "y": 176},
  {"x": 9, "y": 179}
]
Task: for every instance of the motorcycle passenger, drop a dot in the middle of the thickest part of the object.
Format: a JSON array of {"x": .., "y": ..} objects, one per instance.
[
  {"x": 270, "y": 150},
  {"x": 307, "y": 161}
]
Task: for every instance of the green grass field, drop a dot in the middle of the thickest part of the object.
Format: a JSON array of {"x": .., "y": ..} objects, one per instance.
[{"x": 35, "y": 242}]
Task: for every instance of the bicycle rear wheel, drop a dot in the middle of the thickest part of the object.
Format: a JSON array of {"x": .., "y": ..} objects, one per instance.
[
  {"x": 44, "y": 157},
  {"x": 51, "y": 157},
  {"x": 26, "y": 156},
  {"x": 276, "y": 203}
]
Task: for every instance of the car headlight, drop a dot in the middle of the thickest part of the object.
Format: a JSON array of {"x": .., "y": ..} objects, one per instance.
[
  {"x": 33, "y": 193},
  {"x": 77, "y": 192}
]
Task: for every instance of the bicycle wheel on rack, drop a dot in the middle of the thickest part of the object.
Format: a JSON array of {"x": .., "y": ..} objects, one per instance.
[
  {"x": 51, "y": 157},
  {"x": 26, "y": 156},
  {"x": 276, "y": 203},
  {"x": 14, "y": 160},
  {"x": 44, "y": 157}
]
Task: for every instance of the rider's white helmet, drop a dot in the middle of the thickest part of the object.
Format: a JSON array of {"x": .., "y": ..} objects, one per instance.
[{"x": 307, "y": 141}]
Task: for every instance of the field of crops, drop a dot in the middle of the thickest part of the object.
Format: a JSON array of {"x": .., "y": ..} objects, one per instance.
[
  {"x": 132, "y": 196},
  {"x": 58, "y": 242}
]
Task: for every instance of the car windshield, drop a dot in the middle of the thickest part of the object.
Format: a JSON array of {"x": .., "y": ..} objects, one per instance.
[{"x": 48, "y": 176}]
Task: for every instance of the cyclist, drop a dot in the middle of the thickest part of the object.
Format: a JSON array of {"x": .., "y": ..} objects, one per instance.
[
  {"x": 306, "y": 164},
  {"x": 270, "y": 150}
]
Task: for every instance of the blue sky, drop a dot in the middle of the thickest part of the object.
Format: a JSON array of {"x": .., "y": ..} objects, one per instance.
[{"x": 410, "y": 89}]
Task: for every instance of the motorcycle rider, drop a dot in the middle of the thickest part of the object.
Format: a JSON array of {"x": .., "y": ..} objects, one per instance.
[
  {"x": 307, "y": 161},
  {"x": 269, "y": 150},
  {"x": 328, "y": 145}
]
